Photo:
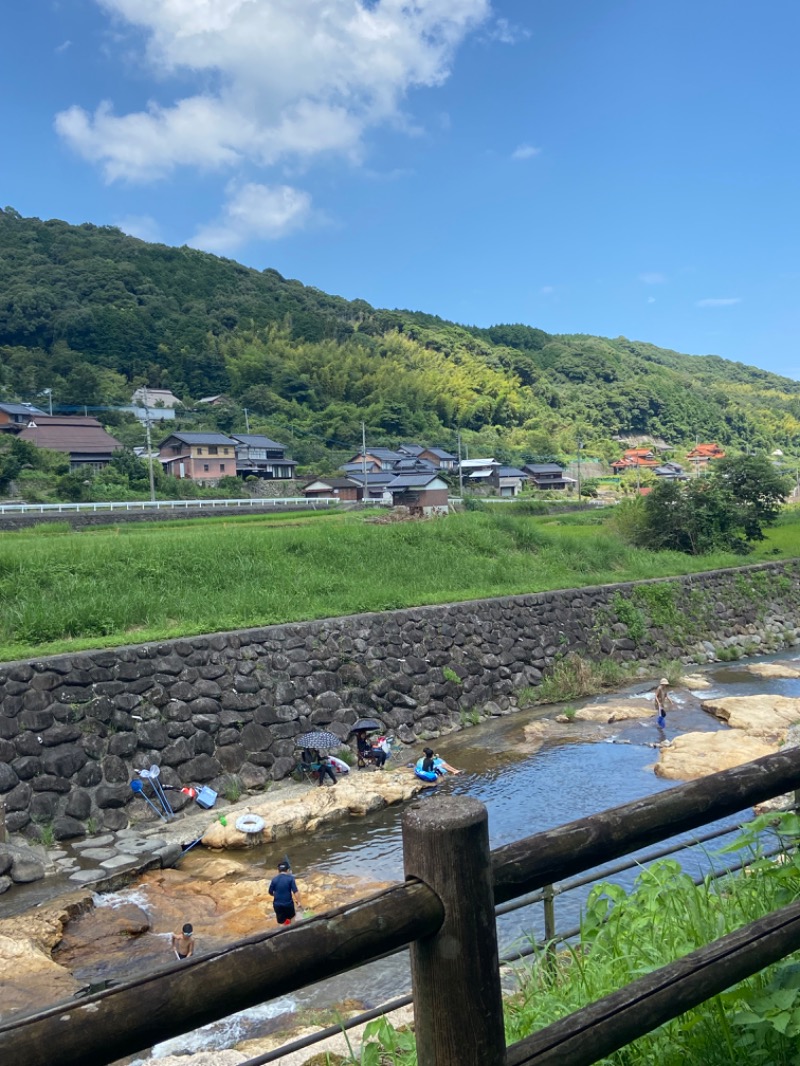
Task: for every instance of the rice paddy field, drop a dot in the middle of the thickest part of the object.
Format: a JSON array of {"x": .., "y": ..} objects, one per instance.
[{"x": 62, "y": 590}]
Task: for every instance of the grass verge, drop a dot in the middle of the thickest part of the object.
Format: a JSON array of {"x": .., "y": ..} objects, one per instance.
[{"x": 110, "y": 587}]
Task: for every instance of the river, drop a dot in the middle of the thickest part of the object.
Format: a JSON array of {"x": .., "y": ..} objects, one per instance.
[{"x": 524, "y": 791}]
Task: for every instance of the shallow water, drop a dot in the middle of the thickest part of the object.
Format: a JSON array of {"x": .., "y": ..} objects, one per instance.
[{"x": 524, "y": 791}]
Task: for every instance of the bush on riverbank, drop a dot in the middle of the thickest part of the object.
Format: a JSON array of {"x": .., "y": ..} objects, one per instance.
[{"x": 118, "y": 585}]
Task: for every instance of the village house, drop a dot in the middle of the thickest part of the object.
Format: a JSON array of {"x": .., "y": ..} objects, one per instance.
[
  {"x": 510, "y": 481},
  {"x": 635, "y": 459},
  {"x": 83, "y": 439},
  {"x": 385, "y": 458},
  {"x": 145, "y": 397},
  {"x": 477, "y": 473},
  {"x": 671, "y": 472},
  {"x": 437, "y": 457},
  {"x": 547, "y": 476},
  {"x": 342, "y": 488},
  {"x": 423, "y": 494},
  {"x": 259, "y": 456},
  {"x": 200, "y": 457},
  {"x": 16, "y": 416},
  {"x": 702, "y": 454}
]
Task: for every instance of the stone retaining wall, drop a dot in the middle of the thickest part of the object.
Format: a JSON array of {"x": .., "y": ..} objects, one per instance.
[{"x": 75, "y": 728}]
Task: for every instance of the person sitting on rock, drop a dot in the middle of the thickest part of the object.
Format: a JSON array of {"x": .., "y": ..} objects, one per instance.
[
  {"x": 366, "y": 752},
  {"x": 325, "y": 769}
]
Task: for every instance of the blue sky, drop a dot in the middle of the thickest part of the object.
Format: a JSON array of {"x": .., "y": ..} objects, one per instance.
[{"x": 598, "y": 166}]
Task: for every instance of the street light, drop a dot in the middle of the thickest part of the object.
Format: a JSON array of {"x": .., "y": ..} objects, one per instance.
[{"x": 49, "y": 394}]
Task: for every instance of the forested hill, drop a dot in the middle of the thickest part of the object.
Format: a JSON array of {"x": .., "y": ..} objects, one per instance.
[{"x": 89, "y": 312}]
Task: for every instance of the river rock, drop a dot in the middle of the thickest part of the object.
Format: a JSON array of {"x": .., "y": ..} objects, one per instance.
[
  {"x": 29, "y": 973},
  {"x": 773, "y": 670},
  {"x": 694, "y": 755},
  {"x": 356, "y": 794},
  {"x": 614, "y": 711},
  {"x": 767, "y": 716},
  {"x": 695, "y": 682}
]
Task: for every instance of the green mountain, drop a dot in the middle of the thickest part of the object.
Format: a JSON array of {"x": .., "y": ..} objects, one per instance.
[{"x": 89, "y": 312}]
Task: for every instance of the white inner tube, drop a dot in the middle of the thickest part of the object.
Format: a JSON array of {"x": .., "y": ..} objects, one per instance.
[{"x": 250, "y": 823}]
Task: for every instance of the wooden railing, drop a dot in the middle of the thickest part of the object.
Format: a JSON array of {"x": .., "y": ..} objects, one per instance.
[{"x": 445, "y": 912}]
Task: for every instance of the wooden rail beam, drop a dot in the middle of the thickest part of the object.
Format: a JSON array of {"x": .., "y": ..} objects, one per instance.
[
  {"x": 125, "y": 1020},
  {"x": 614, "y": 1021},
  {"x": 558, "y": 853}
]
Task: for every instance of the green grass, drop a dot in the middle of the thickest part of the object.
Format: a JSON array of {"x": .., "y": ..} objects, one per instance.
[
  {"x": 627, "y": 935},
  {"x": 130, "y": 584}
]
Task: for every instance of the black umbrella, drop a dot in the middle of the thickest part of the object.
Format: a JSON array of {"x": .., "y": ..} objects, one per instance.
[
  {"x": 369, "y": 725},
  {"x": 320, "y": 739}
]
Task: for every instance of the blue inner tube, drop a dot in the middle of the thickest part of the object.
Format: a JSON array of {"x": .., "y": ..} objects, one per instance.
[{"x": 425, "y": 775}]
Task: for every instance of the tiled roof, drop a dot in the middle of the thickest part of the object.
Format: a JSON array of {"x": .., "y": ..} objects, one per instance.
[
  {"x": 20, "y": 409},
  {"x": 198, "y": 438},
  {"x": 511, "y": 471},
  {"x": 440, "y": 453},
  {"x": 255, "y": 440},
  {"x": 412, "y": 481},
  {"x": 75, "y": 435},
  {"x": 543, "y": 468}
]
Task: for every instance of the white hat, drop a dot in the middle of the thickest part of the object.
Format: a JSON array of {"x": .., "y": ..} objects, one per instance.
[{"x": 663, "y": 681}]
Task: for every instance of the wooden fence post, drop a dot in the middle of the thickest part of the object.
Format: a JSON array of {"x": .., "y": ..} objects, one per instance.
[{"x": 458, "y": 1007}]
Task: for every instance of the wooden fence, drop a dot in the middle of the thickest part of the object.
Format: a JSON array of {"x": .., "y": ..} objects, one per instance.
[{"x": 445, "y": 912}]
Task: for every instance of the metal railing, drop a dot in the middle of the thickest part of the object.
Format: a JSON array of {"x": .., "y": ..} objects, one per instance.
[
  {"x": 445, "y": 912},
  {"x": 299, "y": 502}
]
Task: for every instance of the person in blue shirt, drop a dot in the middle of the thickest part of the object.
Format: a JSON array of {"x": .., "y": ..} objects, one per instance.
[{"x": 283, "y": 889}]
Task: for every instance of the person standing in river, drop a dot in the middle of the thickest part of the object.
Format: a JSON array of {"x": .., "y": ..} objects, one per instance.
[
  {"x": 662, "y": 700},
  {"x": 283, "y": 889},
  {"x": 183, "y": 942}
]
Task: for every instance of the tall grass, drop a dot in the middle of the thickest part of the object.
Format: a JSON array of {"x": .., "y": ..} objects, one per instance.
[
  {"x": 106, "y": 587},
  {"x": 666, "y": 916}
]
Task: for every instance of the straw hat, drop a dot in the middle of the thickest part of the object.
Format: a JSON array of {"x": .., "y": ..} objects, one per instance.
[{"x": 663, "y": 681}]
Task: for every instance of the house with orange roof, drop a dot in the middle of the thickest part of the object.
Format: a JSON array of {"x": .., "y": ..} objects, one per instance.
[
  {"x": 635, "y": 459},
  {"x": 703, "y": 454}
]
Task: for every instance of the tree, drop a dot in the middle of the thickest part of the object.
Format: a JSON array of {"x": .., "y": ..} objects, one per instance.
[{"x": 726, "y": 511}]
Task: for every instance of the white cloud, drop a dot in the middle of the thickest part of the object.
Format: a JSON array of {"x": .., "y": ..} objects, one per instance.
[
  {"x": 282, "y": 79},
  {"x": 267, "y": 212},
  {"x": 525, "y": 151},
  {"x": 547, "y": 290},
  {"x": 62, "y": 47},
  {"x": 725, "y": 301},
  {"x": 651, "y": 299},
  {"x": 142, "y": 226},
  {"x": 652, "y": 277},
  {"x": 506, "y": 32}
]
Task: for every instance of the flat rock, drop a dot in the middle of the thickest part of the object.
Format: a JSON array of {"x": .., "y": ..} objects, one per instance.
[
  {"x": 615, "y": 711},
  {"x": 116, "y": 861},
  {"x": 94, "y": 842},
  {"x": 694, "y": 755},
  {"x": 695, "y": 682},
  {"x": 86, "y": 877},
  {"x": 773, "y": 670},
  {"x": 768, "y": 716},
  {"x": 97, "y": 854},
  {"x": 354, "y": 795}
]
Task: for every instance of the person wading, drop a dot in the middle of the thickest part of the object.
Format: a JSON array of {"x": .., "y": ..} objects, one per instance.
[{"x": 283, "y": 889}]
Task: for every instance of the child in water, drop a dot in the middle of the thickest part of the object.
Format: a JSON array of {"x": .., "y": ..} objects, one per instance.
[
  {"x": 662, "y": 700},
  {"x": 183, "y": 942}
]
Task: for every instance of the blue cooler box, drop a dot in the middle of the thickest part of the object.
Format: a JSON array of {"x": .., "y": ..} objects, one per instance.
[{"x": 206, "y": 797}]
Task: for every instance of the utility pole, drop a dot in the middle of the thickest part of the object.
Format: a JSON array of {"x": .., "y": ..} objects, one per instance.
[
  {"x": 460, "y": 471},
  {"x": 364, "y": 459},
  {"x": 246, "y": 421},
  {"x": 580, "y": 445},
  {"x": 149, "y": 451}
]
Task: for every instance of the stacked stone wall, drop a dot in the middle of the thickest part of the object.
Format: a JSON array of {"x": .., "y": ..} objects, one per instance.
[{"x": 75, "y": 729}]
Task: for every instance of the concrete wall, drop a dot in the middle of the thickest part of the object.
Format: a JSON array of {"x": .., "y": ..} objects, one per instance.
[{"x": 75, "y": 728}]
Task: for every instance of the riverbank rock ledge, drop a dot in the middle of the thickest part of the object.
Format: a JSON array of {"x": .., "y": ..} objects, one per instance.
[{"x": 75, "y": 729}]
